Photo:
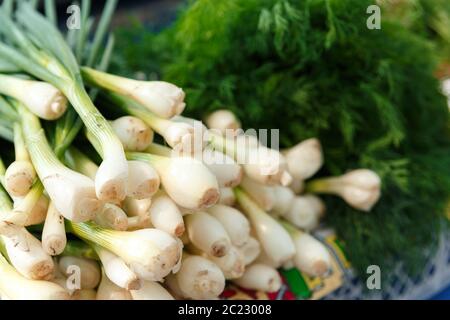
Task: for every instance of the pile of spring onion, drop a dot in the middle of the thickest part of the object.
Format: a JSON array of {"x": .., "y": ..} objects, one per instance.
[{"x": 169, "y": 220}]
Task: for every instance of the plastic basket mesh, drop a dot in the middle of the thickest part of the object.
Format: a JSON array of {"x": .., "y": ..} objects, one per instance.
[{"x": 434, "y": 278}]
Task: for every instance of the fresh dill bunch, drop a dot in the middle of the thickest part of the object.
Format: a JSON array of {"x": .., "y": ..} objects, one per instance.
[
  {"x": 312, "y": 68},
  {"x": 429, "y": 17}
]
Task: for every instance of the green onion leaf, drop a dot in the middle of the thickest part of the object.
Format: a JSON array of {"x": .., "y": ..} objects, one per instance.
[{"x": 101, "y": 30}]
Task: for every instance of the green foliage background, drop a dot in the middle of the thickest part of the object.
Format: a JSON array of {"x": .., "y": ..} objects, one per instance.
[
  {"x": 430, "y": 18},
  {"x": 313, "y": 69}
]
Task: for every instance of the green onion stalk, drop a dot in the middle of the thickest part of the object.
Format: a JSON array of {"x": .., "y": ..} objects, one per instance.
[
  {"x": 112, "y": 217},
  {"x": 151, "y": 290},
  {"x": 274, "y": 239},
  {"x": 107, "y": 290},
  {"x": 79, "y": 248},
  {"x": 53, "y": 61},
  {"x": 5, "y": 132},
  {"x": 360, "y": 188},
  {"x": 311, "y": 255},
  {"x": 234, "y": 222},
  {"x": 72, "y": 193},
  {"x": 304, "y": 159},
  {"x": 32, "y": 263},
  {"x": 5, "y": 210},
  {"x": 20, "y": 175},
  {"x": 78, "y": 161},
  {"x": 305, "y": 212},
  {"x": 33, "y": 207},
  {"x": 8, "y": 221},
  {"x": 117, "y": 270},
  {"x": 178, "y": 172},
  {"x": 165, "y": 215},
  {"x": 162, "y": 98},
  {"x": 206, "y": 233},
  {"x": 7, "y": 228},
  {"x": 251, "y": 250},
  {"x": 90, "y": 271},
  {"x": 260, "y": 277},
  {"x": 228, "y": 173},
  {"x": 198, "y": 278},
  {"x": 54, "y": 237},
  {"x": 41, "y": 98},
  {"x": 15, "y": 286},
  {"x": 8, "y": 116},
  {"x": 30, "y": 208},
  {"x": 262, "y": 194},
  {"x": 2, "y": 172},
  {"x": 187, "y": 138},
  {"x": 224, "y": 121},
  {"x": 134, "y": 133},
  {"x": 150, "y": 253}
]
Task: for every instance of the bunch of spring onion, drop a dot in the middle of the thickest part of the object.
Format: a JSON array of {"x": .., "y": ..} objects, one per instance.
[{"x": 172, "y": 220}]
